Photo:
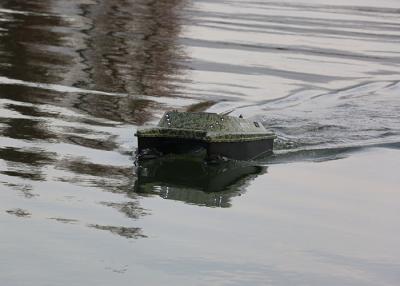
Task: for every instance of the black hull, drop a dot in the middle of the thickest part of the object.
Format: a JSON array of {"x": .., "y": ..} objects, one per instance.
[
  {"x": 242, "y": 150},
  {"x": 246, "y": 150}
]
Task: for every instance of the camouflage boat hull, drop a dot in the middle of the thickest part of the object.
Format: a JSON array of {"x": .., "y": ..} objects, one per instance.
[{"x": 217, "y": 135}]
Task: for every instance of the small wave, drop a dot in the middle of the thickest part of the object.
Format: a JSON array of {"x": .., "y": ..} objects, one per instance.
[
  {"x": 54, "y": 87},
  {"x": 174, "y": 101},
  {"x": 357, "y": 116}
]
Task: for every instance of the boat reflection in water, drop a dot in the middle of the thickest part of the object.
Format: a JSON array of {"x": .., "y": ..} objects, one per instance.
[{"x": 194, "y": 181}]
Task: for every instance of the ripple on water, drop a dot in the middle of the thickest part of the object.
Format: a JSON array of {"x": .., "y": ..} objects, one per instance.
[{"x": 78, "y": 77}]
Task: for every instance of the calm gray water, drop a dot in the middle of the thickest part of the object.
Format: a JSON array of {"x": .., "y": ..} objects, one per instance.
[{"x": 78, "y": 77}]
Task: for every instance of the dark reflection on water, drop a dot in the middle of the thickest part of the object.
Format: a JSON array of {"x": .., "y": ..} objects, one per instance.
[
  {"x": 128, "y": 47},
  {"x": 32, "y": 47},
  {"x": 118, "y": 46},
  {"x": 194, "y": 181},
  {"x": 25, "y": 163},
  {"x": 34, "y": 157},
  {"x": 19, "y": 212},
  {"x": 28, "y": 129},
  {"x": 115, "y": 179},
  {"x": 76, "y": 77},
  {"x": 131, "y": 209},
  {"x": 145, "y": 33},
  {"x": 127, "y": 232}
]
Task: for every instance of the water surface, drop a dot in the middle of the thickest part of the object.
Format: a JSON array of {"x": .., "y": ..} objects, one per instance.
[{"x": 77, "y": 79}]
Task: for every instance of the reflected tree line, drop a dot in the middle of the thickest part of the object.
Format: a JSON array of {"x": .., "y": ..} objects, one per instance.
[
  {"x": 118, "y": 46},
  {"x": 121, "y": 46}
]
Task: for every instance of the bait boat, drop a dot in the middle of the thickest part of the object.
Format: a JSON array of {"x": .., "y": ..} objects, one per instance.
[{"x": 219, "y": 135}]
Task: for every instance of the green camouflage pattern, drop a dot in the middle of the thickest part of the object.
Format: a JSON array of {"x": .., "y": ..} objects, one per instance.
[{"x": 209, "y": 127}]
